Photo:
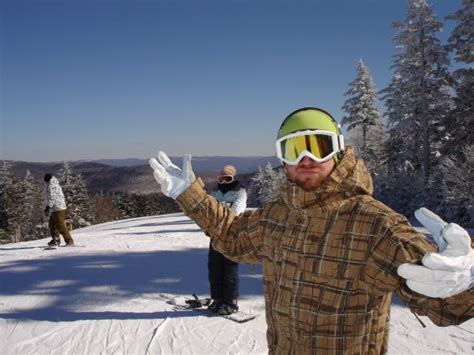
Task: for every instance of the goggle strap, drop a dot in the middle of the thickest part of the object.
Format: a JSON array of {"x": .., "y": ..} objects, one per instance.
[{"x": 340, "y": 139}]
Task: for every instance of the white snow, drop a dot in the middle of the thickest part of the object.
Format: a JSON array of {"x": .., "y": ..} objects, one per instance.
[{"x": 109, "y": 295}]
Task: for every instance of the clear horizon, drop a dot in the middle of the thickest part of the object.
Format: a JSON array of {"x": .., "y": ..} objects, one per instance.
[
  {"x": 123, "y": 79},
  {"x": 194, "y": 157}
]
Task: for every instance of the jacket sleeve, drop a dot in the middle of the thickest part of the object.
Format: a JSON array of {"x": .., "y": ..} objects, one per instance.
[
  {"x": 50, "y": 195},
  {"x": 237, "y": 237},
  {"x": 401, "y": 243},
  {"x": 240, "y": 202}
]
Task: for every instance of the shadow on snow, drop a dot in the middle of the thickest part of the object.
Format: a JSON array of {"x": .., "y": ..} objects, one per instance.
[{"x": 73, "y": 281}]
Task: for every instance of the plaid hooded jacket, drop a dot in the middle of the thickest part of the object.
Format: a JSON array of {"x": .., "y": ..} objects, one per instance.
[{"x": 330, "y": 259}]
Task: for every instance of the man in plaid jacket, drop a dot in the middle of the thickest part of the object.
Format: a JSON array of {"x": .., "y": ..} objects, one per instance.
[{"x": 332, "y": 255}]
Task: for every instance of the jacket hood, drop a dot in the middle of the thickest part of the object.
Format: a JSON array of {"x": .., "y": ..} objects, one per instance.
[{"x": 349, "y": 178}]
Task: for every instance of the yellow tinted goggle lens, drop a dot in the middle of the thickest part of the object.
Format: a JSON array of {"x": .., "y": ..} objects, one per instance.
[{"x": 317, "y": 144}]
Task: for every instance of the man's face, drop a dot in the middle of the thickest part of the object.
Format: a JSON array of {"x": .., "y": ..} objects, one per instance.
[{"x": 308, "y": 174}]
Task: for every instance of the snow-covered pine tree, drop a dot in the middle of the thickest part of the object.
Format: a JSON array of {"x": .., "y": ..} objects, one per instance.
[
  {"x": 3, "y": 196},
  {"x": 458, "y": 187},
  {"x": 255, "y": 188},
  {"x": 79, "y": 204},
  {"x": 10, "y": 192},
  {"x": 134, "y": 205},
  {"x": 460, "y": 126},
  {"x": 31, "y": 205},
  {"x": 364, "y": 117},
  {"x": 417, "y": 99},
  {"x": 125, "y": 204},
  {"x": 265, "y": 185}
]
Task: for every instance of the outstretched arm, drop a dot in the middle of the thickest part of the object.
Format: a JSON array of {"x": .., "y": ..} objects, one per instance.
[
  {"x": 402, "y": 245},
  {"x": 237, "y": 237}
]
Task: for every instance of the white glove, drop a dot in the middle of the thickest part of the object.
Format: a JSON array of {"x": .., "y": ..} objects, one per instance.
[
  {"x": 447, "y": 272},
  {"x": 172, "y": 179}
]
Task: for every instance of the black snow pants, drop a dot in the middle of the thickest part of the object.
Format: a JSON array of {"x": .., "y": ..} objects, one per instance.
[{"x": 223, "y": 276}]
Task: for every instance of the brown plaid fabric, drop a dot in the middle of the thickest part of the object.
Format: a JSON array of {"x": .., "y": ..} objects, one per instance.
[{"x": 329, "y": 261}]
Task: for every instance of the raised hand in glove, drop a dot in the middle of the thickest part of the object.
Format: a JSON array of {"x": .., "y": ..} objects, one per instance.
[
  {"x": 46, "y": 211},
  {"x": 447, "y": 272},
  {"x": 173, "y": 180}
]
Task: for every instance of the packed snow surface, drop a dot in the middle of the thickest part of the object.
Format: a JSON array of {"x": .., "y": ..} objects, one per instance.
[{"x": 110, "y": 295}]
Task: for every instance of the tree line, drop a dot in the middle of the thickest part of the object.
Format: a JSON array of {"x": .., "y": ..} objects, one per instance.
[
  {"x": 422, "y": 154},
  {"x": 420, "y": 150},
  {"x": 22, "y": 202}
]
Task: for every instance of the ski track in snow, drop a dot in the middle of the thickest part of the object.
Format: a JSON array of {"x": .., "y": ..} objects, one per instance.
[{"x": 112, "y": 296}]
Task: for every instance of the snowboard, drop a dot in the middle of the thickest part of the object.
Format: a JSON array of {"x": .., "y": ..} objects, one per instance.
[
  {"x": 200, "y": 305},
  {"x": 239, "y": 316},
  {"x": 62, "y": 246},
  {"x": 51, "y": 247}
]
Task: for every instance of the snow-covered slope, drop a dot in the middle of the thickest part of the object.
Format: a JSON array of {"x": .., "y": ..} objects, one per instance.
[{"x": 109, "y": 295}]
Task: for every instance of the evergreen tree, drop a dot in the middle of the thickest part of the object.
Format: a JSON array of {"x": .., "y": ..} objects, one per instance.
[
  {"x": 10, "y": 192},
  {"x": 461, "y": 40},
  {"x": 79, "y": 204},
  {"x": 30, "y": 201},
  {"x": 125, "y": 204},
  {"x": 133, "y": 205},
  {"x": 458, "y": 187},
  {"x": 265, "y": 185},
  {"x": 4, "y": 183},
  {"x": 417, "y": 99},
  {"x": 363, "y": 116},
  {"x": 460, "y": 126}
]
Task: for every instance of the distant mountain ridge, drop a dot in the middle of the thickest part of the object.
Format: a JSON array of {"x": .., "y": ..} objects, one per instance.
[
  {"x": 243, "y": 165},
  {"x": 117, "y": 162},
  {"x": 135, "y": 176}
]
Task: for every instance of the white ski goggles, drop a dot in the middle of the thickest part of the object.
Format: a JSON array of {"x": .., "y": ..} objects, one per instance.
[
  {"x": 225, "y": 179},
  {"x": 318, "y": 145}
]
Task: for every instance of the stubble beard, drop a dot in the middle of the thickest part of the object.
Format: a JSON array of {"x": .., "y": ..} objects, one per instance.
[
  {"x": 309, "y": 175},
  {"x": 308, "y": 183}
]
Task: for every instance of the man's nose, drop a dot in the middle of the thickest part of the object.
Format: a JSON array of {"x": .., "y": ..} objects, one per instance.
[{"x": 307, "y": 162}]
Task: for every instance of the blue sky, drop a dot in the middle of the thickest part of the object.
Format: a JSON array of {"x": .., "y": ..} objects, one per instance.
[{"x": 121, "y": 79}]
